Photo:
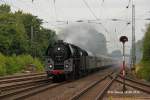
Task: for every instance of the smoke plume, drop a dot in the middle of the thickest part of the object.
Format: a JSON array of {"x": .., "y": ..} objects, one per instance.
[{"x": 86, "y": 37}]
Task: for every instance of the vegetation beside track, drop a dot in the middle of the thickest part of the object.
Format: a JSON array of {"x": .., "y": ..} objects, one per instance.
[
  {"x": 23, "y": 33},
  {"x": 16, "y": 64},
  {"x": 23, "y": 41},
  {"x": 143, "y": 69}
]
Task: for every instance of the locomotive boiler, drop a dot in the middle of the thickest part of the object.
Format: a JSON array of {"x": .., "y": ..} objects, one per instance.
[{"x": 68, "y": 61}]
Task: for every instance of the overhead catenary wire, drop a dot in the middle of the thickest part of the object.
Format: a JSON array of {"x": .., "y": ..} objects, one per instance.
[
  {"x": 95, "y": 17},
  {"x": 128, "y": 4},
  {"x": 87, "y": 5},
  {"x": 110, "y": 34},
  {"x": 54, "y": 3}
]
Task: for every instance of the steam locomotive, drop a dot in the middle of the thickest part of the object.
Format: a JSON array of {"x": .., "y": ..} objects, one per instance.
[{"x": 67, "y": 61}]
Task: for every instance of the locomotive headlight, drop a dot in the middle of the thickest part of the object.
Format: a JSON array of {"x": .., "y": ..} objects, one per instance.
[
  {"x": 50, "y": 66},
  {"x": 66, "y": 66}
]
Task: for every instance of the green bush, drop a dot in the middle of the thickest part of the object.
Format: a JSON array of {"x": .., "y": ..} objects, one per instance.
[
  {"x": 14, "y": 64},
  {"x": 2, "y": 65},
  {"x": 144, "y": 70},
  {"x": 11, "y": 65},
  {"x": 39, "y": 65},
  {"x": 25, "y": 60}
]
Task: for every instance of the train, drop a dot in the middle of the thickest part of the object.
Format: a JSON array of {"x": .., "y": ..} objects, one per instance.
[{"x": 66, "y": 61}]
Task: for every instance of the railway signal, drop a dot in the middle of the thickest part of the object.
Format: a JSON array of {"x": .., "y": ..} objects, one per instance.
[{"x": 123, "y": 39}]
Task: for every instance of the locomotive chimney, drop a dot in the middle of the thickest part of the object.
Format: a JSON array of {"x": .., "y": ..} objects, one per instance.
[{"x": 60, "y": 41}]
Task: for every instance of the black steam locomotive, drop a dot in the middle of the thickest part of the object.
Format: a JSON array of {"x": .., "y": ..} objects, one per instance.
[{"x": 67, "y": 61}]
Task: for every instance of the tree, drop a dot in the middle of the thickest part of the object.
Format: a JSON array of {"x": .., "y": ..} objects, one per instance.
[
  {"x": 41, "y": 36},
  {"x": 12, "y": 35},
  {"x": 16, "y": 30},
  {"x": 146, "y": 45},
  {"x": 144, "y": 69},
  {"x": 16, "y": 42},
  {"x": 4, "y": 8}
]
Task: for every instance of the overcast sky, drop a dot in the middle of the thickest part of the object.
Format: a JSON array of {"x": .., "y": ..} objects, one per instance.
[{"x": 101, "y": 10}]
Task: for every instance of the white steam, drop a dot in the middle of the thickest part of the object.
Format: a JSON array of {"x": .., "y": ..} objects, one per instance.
[{"x": 86, "y": 37}]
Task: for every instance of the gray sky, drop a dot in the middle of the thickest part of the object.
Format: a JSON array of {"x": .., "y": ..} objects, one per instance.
[{"x": 72, "y": 10}]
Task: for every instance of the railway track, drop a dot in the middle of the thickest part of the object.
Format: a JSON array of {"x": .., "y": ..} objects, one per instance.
[
  {"x": 134, "y": 89},
  {"x": 136, "y": 81},
  {"x": 135, "y": 84},
  {"x": 96, "y": 90},
  {"x": 20, "y": 75},
  {"x": 24, "y": 77},
  {"x": 21, "y": 84},
  {"x": 24, "y": 86},
  {"x": 65, "y": 90},
  {"x": 12, "y": 85},
  {"x": 21, "y": 93}
]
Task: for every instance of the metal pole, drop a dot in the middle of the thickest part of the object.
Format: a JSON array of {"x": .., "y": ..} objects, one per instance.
[
  {"x": 31, "y": 34},
  {"x": 123, "y": 39},
  {"x": 123, "y": 72},
  {"x": 32, "y": 40},
  {"x": 133, "y": 59}
]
